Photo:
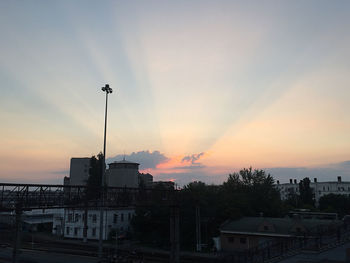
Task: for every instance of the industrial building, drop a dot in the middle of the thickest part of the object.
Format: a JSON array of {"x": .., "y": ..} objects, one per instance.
[{"x": 70, "y": 223}]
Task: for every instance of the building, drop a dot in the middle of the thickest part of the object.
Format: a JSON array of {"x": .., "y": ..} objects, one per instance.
[
  {"x": 123, "y": 174},
  {"x": 70, "y": 223},
  {"x": 146, "y": 180},
  {"x": 320, "y": 189},
  {"x": 33, "y": 220},
  {"x": 250, "y": 232},
  {"x": 79, "y": 171},
  {"x": 164, "y": 185}
]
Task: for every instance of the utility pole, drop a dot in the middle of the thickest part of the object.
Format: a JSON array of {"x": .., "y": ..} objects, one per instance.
[
  {"x": 85, "y": 222},
  {"x": 198, "y": 228},
  {"x": 174, "y": 234},
  {"x": 108, "y": 90},
  {"x": 18, "y": 229}
]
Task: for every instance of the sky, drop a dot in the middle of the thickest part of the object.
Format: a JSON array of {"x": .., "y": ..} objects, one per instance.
[{"x": 201, "y": 89}]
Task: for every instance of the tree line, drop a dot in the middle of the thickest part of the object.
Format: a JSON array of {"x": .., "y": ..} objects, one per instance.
[{"x": 246, "y": 193}]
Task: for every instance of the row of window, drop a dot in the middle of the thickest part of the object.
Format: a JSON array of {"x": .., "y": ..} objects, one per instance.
[
  {"x": 115, "y": 217},
  {"x": 242, "y": 240},
  {"x": 342, "y": 188},
  {"x": 77, "y": 217},
  {"x": 77, "y": 231}
]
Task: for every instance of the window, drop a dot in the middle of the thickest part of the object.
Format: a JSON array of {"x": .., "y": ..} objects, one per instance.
[
  {"x": 67, "y": 230},
  {"x": 70, "y": 218},
  {"x": 76, "y": 218},
  {"x": 94, "y": 232},
  {"x": 324, "y": 188},
  {"x": 94, "y": 218},
  {"x": 115, "y": 218},
  {"x": 122, "y": 217},
  {"x": 266, "y": 228},
  {"x": 129, "y": 216},
  {"x": 231, "y": 239},
  {"x": 242, "y": 240},
  {"x": 76, "y": 231}
]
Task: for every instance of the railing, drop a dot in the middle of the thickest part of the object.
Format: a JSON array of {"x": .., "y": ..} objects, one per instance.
[{"x": 31, "y": 196}]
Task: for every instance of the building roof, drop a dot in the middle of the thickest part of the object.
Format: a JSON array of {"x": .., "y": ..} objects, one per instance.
[
  {"x": 123, "y": 162},
  {"x": 280, "y": 226}
]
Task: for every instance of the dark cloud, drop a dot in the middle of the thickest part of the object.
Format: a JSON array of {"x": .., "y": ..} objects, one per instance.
[
  {"x": 146, "y": 159},
  {"x": 343, "y": 164},
  {"x": 193, "y": 158}
]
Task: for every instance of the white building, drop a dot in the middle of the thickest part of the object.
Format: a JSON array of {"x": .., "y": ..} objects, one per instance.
[
  {"x": 70, "y": 223},
  {"x": 319, "y": 188}
]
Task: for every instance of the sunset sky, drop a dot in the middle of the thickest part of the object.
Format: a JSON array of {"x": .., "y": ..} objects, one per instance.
[{"x": 201, "y": 88}]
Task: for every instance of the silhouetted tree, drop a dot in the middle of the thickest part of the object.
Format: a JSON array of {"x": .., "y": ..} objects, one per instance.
[
  {"x": 95, "y": 177},
  {"x": 306, "y": 192},
  {"x": 335, "y": 203}
]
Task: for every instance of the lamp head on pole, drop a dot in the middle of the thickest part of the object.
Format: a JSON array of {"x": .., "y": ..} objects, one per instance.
[{"x": 107, "y": 89}]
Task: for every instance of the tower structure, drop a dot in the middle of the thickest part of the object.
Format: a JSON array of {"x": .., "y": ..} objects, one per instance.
[{"x": 123, "y": 174}]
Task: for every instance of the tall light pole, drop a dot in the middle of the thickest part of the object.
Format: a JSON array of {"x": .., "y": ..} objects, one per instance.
[{"x": 108, "y": 90}]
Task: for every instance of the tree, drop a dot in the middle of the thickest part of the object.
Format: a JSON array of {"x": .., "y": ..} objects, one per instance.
[
  {"x": 251, "y": 192},
  {"x": 306, "y": 192},
  {"x": 95, "y": 177},
  {"x": 335, "y": 203},
  {"x": 247, "y": 193}
]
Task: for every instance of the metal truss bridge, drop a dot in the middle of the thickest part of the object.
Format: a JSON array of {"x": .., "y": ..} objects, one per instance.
[
  {"x": 20, "y": 197},
  {"x": 37, "y": 196}
]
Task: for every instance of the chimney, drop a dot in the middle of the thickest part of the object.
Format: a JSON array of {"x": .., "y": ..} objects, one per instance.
[
  {"x": 278, "y": 182},
  {"x": 339, "y": 179},
  {"x": 295, "y": 181},
  {"x": 315, "y": 180},
  {"x": 290, "y": 181}
]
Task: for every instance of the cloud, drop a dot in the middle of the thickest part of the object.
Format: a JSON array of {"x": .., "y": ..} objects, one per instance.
[
  {"x": 192, "y": 158},
  {"x": 343, "y": 164},
  {"x": 146, "y": 159}
]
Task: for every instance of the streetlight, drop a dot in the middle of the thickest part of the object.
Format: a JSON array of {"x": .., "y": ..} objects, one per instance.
[{"x": 108, "y": 90}]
